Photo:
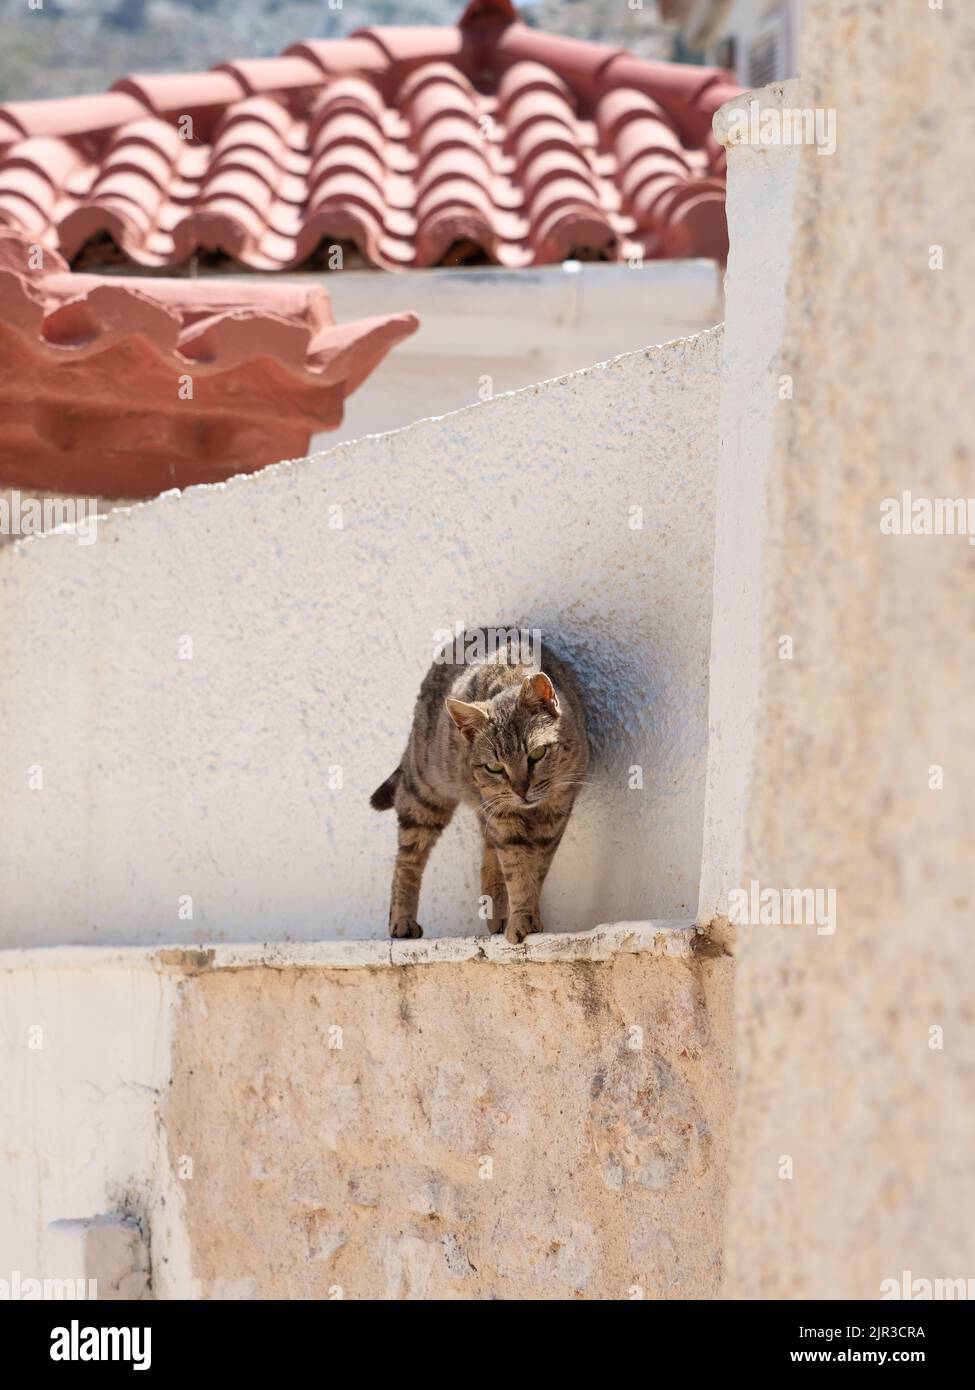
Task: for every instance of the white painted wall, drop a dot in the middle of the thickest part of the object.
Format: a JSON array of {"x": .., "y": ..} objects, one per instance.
[
  {"x": 85, "y": 1056},
  {"x": 208, "y": 777},
  {"x": 485, "y": 332},
  {"x": 760, "y": 205}
]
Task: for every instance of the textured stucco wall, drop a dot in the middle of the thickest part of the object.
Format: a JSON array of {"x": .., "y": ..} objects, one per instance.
[
  {"x": 484, "y": 1131},
  {"x": 314, "y": 1120},
  {"x": 166, "y": 779},
  {"x": 837, "y": 1070}
]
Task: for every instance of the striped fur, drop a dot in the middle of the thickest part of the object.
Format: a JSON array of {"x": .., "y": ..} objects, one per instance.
[{"x": 470, "y": 717}]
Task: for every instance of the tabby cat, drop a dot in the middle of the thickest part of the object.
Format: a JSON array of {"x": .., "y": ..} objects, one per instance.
[{"x": 509, "y": 740}]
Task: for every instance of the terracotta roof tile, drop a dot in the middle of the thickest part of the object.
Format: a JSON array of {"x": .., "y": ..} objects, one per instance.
[
  {"x": 491, "y": 140},
  {"x": 91, "y": 369}
]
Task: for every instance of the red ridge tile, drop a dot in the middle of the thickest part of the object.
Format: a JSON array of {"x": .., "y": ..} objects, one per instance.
[
  {"x": 73, "y": 116},
  {"x": 285, "y": 74},
  {"x": 335, "y": 57}
]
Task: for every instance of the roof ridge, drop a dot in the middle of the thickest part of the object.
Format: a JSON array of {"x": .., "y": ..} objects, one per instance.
[{"x": 488, "y": 11}]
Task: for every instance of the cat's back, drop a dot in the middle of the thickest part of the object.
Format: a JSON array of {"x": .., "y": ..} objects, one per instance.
[{"x": 482, "y": 662}]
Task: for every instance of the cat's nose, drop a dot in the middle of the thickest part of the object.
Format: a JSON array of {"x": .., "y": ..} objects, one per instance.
[{"x": 521, "y": 788}]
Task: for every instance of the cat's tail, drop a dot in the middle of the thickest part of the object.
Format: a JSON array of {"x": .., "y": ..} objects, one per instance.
[{"x": 382, "y": 797}]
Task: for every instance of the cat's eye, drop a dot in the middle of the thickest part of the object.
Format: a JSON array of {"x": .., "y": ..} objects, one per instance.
[
  {"x": 538, "y": 754},
  {"x": 493, "y": 767}
]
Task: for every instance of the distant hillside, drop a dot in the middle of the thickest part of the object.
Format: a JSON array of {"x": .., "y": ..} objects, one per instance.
[{"x": 72, "y": 46}]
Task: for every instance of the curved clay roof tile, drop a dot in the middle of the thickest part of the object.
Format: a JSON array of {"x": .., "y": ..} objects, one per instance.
[
  {"x": 453, "y": 193},
  {"x": 132, "y": 187},
  {"x": 699, "y": 227},
  {"x": 71, "y": 116},
  {"x": 537, "y": 105},
  {"x": 255, "y": 111},
  {"x": 660, "y": 80},
  {"x": 178, "y": 93},
  {"x": 569, "y": 190},
  {"x": 53, "y": 159},
  {"x": 343, "y": 221},
  {"x": 529, "y": 76},
  {"x": 346, "y": 128},
  {"x": 402, "y": 113},
  {"x": 105, "y": 310},
  {"x": 118, "y": 217},
  {"x": 252, "y": 135},
  {"x": 621, "y": 105},
  {"x": 241, "y": 186},
  {"x": 453, "y": 222},
  {"x": 541, "y": 136},
  {"x": 455, "y": 131},
  {"x": 655, "y": 168},
  {"x": 429, "y": 73},
  {"x": 22, "y": 213},
  {"x": 26, "y": 183},
  {"x": 453, "y": 163},
  {"x": 579, "y": 62},
  {"x": 226, "y": 225},
  {"x": 414, "y": 44},
  {"x": 257, "y": 75},
  {"x": 349, "y": 158},
  {"x": 248, "y": 160},
  {"x": 136, "y": 158},
  {"x": 155, "y": 134},
  {"x": 644, "y": 137},
  {"x": 348, "y": 94},
  {"x": 551, "y": 164},
  {"x": 569, "y": 227},
  {"x": 341, "y": 188},
  {"x": 677, "y": 87},
  {"x": 333, "y": 56},
  {"x": 436, "y": 102}
]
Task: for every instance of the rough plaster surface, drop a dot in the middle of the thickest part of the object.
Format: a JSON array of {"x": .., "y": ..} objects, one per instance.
[
  {"x": 836, "y": 1069},
  {"x": 168, "y": 779},
  {"x": 483, "y": 1131},
  {"x": 177, "y": 1085}
]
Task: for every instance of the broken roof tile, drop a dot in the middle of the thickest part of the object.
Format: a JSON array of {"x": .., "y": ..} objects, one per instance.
[{"x": 94, "y": 372}]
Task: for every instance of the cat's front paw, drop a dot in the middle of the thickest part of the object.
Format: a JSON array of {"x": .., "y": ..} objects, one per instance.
[
  {"x": 526, "y": 924},
  {"x": 405, "y": 926},
  {"x": 496, "y": 925}
]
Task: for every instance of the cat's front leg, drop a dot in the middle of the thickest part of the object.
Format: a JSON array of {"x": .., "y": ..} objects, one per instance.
[
  {"x": 419, "y": 830},
  {"x": 525, "y": 859},
  {"x": 493, "y": 889}
]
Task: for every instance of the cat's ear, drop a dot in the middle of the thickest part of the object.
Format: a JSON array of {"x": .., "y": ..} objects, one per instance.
[
  {"x": 539, "y": 690},
  {"x": 468, "y": 718}
]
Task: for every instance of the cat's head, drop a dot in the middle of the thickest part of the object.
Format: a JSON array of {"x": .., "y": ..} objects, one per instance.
[{"x": 515, "y": 752}]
